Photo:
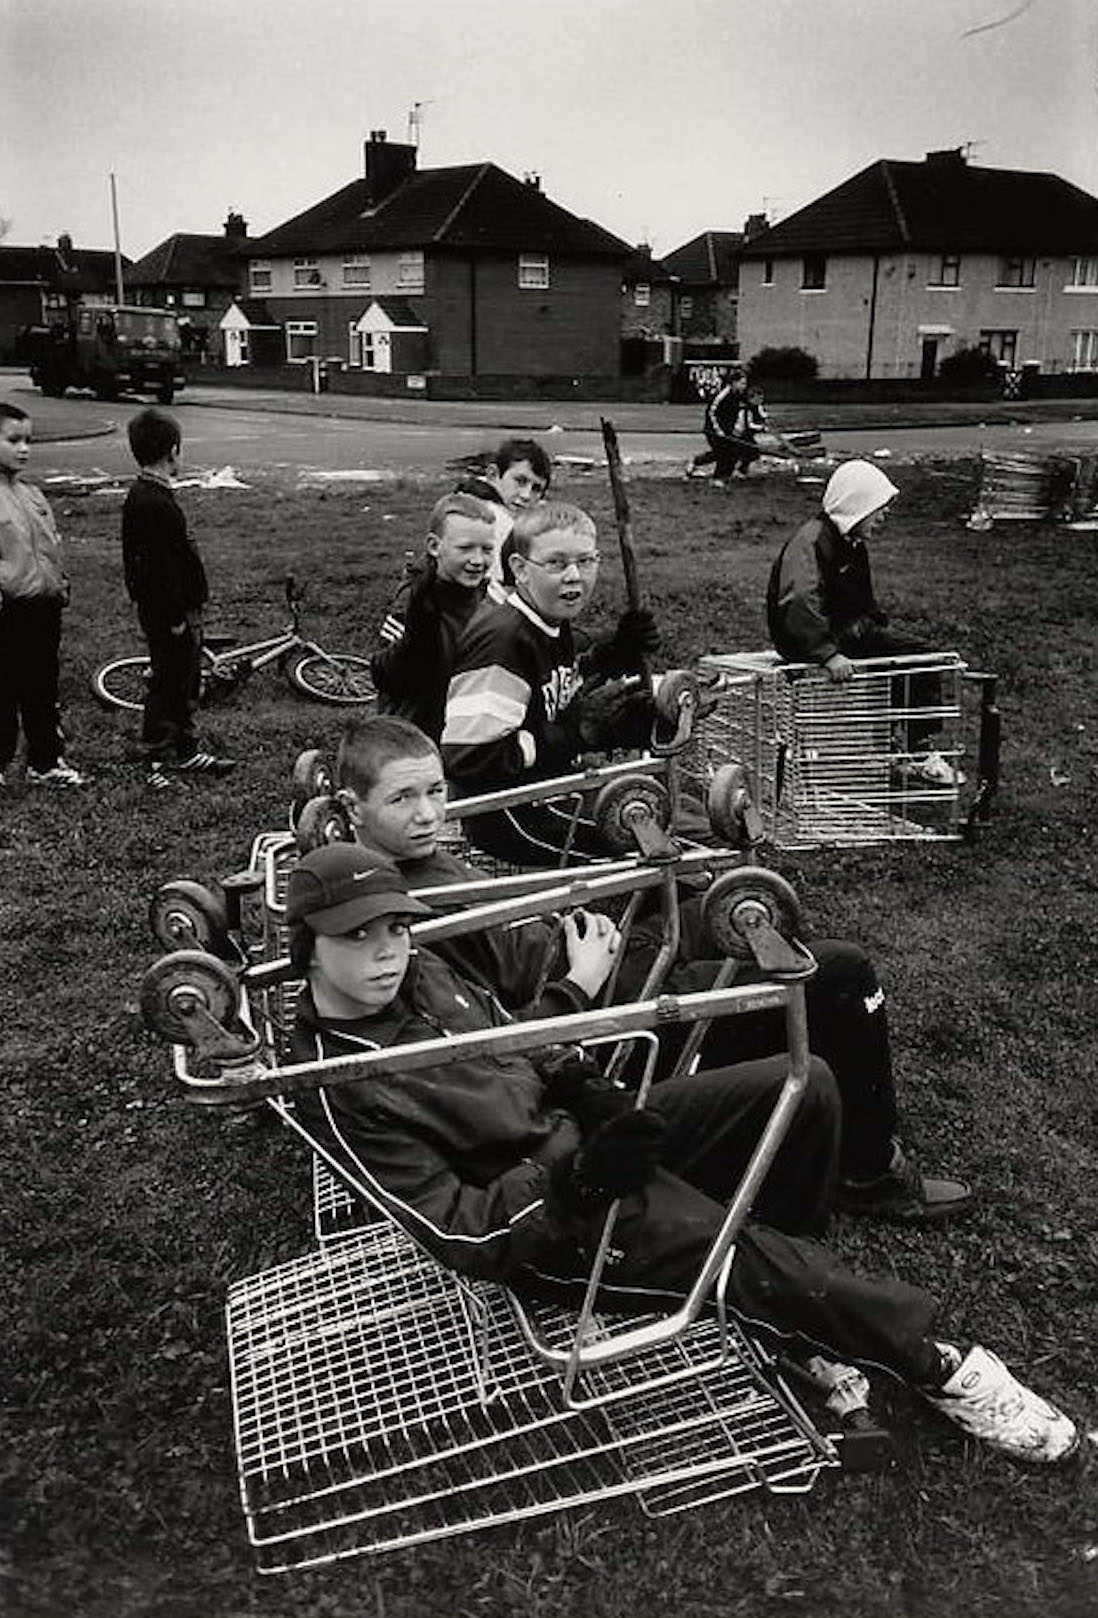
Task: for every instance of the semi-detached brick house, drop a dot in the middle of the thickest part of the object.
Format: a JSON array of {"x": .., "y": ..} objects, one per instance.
[
  {"x": 908, "y": 262},
  {"x": 461, "y": 272}
]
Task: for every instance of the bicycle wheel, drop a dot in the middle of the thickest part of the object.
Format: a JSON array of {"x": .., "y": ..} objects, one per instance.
[
  {"x": 335, "y": 677},
  {"x": 122, "y": 683}
]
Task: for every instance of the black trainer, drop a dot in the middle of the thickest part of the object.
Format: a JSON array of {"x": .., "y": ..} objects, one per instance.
[
  {"x": 204, "y": 764},
  {"x": 904, "y": 1195}
]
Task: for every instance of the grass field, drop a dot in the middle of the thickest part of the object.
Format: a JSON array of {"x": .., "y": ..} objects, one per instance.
[{"x": 124, "y": 1214}]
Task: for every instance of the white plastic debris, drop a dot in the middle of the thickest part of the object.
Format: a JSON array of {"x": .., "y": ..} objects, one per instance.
[
  {"x": 882, "y": 454},
  {"x": 361, "y": 475},
  {"x": 980, "y": 521},
  {"x": 223, "y": 478}
]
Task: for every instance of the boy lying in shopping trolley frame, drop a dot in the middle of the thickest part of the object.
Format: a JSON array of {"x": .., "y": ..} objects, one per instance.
[{"x": 380, "y": 1399}]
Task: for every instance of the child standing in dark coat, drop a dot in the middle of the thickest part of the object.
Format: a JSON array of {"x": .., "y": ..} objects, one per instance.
[{"x": 166, "y": 580}]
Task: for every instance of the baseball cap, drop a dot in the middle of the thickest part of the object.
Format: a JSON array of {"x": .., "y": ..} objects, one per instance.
[{"x": 339, "y": 887}]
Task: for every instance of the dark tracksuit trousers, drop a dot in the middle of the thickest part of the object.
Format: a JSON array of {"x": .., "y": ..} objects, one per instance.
[
  {"x": 30, "y": 646},
  {"x": 918, "y": 690},
  {"x": 167, "y": 727}
]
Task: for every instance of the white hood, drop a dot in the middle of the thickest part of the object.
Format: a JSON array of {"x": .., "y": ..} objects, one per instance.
[{"x": 854, "y": 490}]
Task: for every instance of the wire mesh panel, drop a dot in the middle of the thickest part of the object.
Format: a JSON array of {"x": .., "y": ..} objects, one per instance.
[
  {"x": 839, "y": 763},
  {"x": 379, "y": 1402}
]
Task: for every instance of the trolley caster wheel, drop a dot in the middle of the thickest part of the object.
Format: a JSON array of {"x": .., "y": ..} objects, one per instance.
[
  {"x": 186, "y": 915},
  {"x": 312, "y": 778},
  {"x": 739, "y": 900},
  {"x": 732, "y": 813},
  {"x": 322, "y": 821},
  {"x": 626, "y": 805},
  {"x": 676, "y": 705},
  {"x": 180, "y": 984}
]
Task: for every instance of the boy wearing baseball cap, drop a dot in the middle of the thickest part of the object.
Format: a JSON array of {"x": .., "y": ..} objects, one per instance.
[{"x": 503, "y": 1166}]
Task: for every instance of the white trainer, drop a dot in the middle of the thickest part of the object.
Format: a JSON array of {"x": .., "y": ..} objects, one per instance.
[
  {"x": 62, "y": 774},
  {"x": 934, "y": 769},
  {"x": 988, "y": 1402}
]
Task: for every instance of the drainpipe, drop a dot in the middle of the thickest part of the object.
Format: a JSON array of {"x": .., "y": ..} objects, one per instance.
[
  {"x": 472, "y": 315},
  {"x": 872, "y": 318}
]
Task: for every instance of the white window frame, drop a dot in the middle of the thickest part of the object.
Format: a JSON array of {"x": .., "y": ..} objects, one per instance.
[
  {"x": 1084, "y": 274},
  {"x": 768, "y": 272},
  {"x": 1017, "y": 273},
  {"x": 642, "y": 295},
  {"x": 306, "y": 274},
  {"x": 356, "y": 271},
  {"x": 1084, "y": 345},
  {"x": 686, "y": 306},
  {"x": 995, "y": 340},
  {"x": 354, "y": 346},
  {"x": 945, "y": 272},
  {"x": 816, "y": 261},
  {"x": 411, "y": 271},
  {"x": 533, "y": 272},
  {"x": 260, "y": 275},
  {"x": 194, "y": 300},
  {"x": 300, "y": 328}
]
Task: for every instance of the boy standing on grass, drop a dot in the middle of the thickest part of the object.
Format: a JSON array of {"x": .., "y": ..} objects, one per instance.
[
  {"x": 166, "y": 580},
  {"x": 431, "y": 609},
  {"x": 33, "y": 595},
  {"x": 503, "y": 1167}
]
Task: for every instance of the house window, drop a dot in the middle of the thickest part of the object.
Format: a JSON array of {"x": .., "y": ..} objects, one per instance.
[
  {"x": 356, "y": 270},
  {"x": 814, "y": 272},
  {"x": 1016, "y": 272},
  {"x": 686, "y": 307},
  {"x": 410, "y": 272},
  {"x": 300, "y": 340},
  {"x": 533, "y": 271},
  {"x": 306, "y": 273},
  {"x": 1084, "y": 272},
  {"x": 1000, "y": 345},
  {"x": 194, "y": 300},
  {"x": 768, "y": 272},
  {"x": 259, "y": 275},
  {"x": 945, "y": 271},
  {"x": 642, "y": 294},
  {"x": 1084, "y": 351},
  {"x": 354, "y": 348},
  {"x": 369, "y": 351}
]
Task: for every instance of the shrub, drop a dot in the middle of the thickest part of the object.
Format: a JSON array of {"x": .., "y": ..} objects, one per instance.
[
  {"x": 783, "y": 365},
  {"x": 968, "y": 365}
]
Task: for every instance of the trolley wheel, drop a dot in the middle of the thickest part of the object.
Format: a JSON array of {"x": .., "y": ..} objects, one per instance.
[
  {"x": 186, "y": 915},
  {"x": 312, "y": 778},
  {"x": 337, "y": 677},
  {"x": 621, "y": 802},
  {"x": 675, "y": 685},
  {"x": 737, "y": 895},
  {"x": 322, "y": 821},
  {"x": 182, "y": 981},
  {"x": 727, "y": 802}
]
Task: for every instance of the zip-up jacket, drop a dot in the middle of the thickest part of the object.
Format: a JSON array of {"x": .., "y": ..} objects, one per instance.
[
  {"x": 30, "y": 546},
  {"x": 820, "y": 592},
  {"x": 459, "y": 1154},
  {"x": 163, "y": 569},
  {"x": 421, "y": 631}
]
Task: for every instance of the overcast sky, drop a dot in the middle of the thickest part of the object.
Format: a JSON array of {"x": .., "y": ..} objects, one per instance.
[{"x": 657, "y": 118}]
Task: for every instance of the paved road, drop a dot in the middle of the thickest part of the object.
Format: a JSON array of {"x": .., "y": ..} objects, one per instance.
[{"x": 655, "y": 438}]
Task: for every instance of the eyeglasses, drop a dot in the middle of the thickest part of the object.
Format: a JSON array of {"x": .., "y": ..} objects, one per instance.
[{"x": 557, "y": 566}]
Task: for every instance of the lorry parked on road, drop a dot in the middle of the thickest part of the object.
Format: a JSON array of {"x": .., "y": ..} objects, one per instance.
[{"x": 112, "y": 350}]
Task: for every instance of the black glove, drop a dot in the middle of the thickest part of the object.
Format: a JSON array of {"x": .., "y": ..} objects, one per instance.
[
  {"x": 613, "y": 713},
  {"x": 636, "y": 635},
  {"x": 577, "y": 1084},
  {"x": 621, "y": 1157}
]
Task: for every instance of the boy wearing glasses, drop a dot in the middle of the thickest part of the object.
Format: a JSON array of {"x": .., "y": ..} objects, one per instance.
[{"x": 523, "y": 703}]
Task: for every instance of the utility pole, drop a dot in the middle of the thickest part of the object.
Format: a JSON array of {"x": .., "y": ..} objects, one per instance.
[{"x": 120, "y": 292}]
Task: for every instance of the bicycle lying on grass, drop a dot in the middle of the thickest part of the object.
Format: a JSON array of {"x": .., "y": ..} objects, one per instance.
[{"x": 335, "y": 677}]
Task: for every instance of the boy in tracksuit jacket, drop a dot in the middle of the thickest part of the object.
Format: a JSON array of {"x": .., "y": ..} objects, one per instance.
[
  {"x": 33, "y": 594},
  {"x": 390, "y": 783},
  {"x": 431, "y": 609},
  {"x": 523, "y": 703},
  {"x": 503, "y": 1167},
  {"x": 166, "y": 580}
]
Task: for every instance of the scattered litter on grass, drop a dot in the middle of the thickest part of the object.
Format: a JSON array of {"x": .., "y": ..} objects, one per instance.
[
  {"x": 1058, "y": 777},
  {"x": 980, "y": 521},
  {"x": 585, "y": 462},
  {"x": 556, "y": 428},
  {"x": 389, "y": 516},
  {"x": 224, "y": 478},
  {"x": 115, "y": 488},
  {"x": 364, "y": 475},
  {"x": 807, "y": 479},
  {"x": 363, "y": 508},
  {"x": 84, "y": 480},
  {"x": 1089, "y": 1553},
  {"x": 882, "y": 454}
]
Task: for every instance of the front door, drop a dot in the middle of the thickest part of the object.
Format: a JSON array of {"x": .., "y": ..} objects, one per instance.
[{"x": 929, "y": 367}]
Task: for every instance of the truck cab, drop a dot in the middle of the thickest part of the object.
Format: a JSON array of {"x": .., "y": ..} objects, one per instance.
[{"x": 112, "y": 350}]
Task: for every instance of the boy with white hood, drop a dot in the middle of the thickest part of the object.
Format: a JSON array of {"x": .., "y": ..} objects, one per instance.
[{"x": 820, "y": 605}]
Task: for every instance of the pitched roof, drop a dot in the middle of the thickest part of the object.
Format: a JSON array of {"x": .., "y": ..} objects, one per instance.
[
  {"x": 711, "y": 258},
  {"x": 70, "y": 269},
  {"x": 255, "y": 311},
  {"x": 641, "y": 266},
  {"x": 401, "y": 314},
  {"x": 942, "y": 205},
  {"x": 469, "y": 206},
  {"x": 191, "y": 260}
]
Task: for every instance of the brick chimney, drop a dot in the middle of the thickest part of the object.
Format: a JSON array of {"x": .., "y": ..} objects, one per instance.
[
  {"x": 387, "y": 166},
  {"x": 754, "y": 225},
  {"x": 953, "y": 157},
  {"x": 236, "y": 226}
]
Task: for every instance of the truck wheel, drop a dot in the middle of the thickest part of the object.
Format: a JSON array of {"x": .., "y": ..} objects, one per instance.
[
  {"x": 165, "y": 393},
  {"x": 52, "y": 386},
  {"x": 106, "y": 390}
]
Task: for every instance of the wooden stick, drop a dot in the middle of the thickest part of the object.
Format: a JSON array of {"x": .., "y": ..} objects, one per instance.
[{"x": 621, "y": 512}]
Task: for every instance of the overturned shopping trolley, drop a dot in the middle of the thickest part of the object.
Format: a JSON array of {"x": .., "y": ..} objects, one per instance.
[
  {"x": 380, "y": 1400},
  {"x": 845, "y": 764}
]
